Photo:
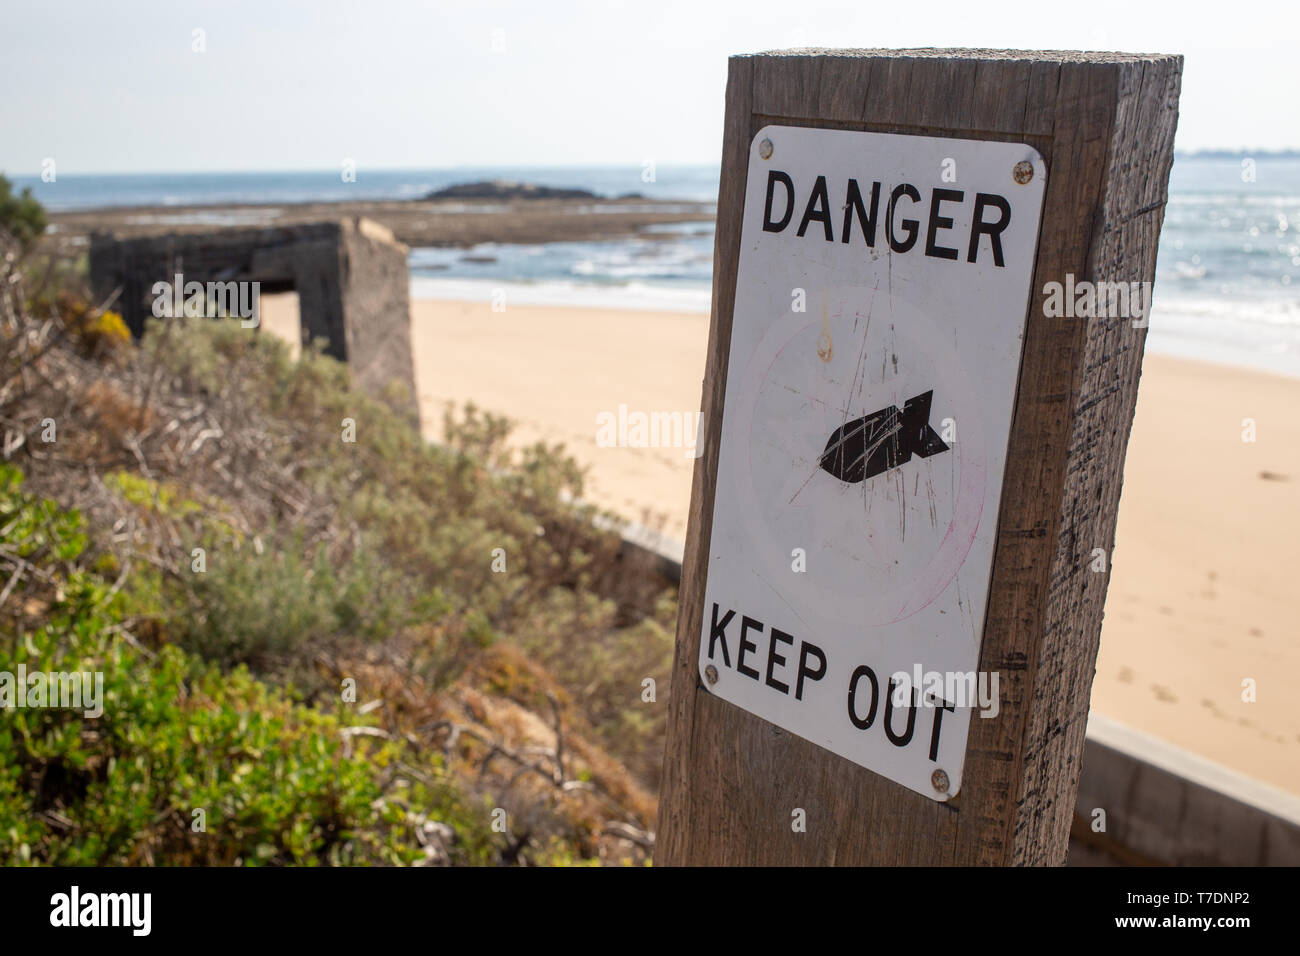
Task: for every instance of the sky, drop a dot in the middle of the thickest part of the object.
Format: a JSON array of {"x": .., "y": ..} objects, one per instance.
[{"x": 288, "y": 85}]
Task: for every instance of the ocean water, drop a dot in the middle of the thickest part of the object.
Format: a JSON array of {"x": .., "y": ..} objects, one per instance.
[
  {"x": 1227, "y": 283},
  {"x": 670, "y": 270},
  {"x": 1228, "y": 272},
  {"x": 1227, "y": 276}
]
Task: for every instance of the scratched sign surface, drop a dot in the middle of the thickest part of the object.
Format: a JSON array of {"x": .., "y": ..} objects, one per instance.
[{"x": 880, "y": 308}]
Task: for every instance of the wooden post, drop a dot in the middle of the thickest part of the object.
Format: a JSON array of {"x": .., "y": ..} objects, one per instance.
[{"x": 1104, "y": 126}]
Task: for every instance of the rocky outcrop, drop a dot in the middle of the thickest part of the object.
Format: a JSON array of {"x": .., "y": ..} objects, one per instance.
[{"x": 505, "y": 189}]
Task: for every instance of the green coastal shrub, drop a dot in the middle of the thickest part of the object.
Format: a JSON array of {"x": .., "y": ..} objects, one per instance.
[
  {"x": 20, "y": 214},
  {"x": 274, "y": 780},
  {"x": 256, "y": 609},
  {"x": 426, "y": 524}
]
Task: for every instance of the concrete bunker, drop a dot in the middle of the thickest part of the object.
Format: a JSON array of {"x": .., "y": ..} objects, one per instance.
[{"x": 350, "y": 277}]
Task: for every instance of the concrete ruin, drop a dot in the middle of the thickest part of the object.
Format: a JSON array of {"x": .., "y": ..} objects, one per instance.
[{"x": 350, "y": 277}]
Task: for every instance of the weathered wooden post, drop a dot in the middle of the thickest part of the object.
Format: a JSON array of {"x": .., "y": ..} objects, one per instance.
[{"x": 914, "y": 449}]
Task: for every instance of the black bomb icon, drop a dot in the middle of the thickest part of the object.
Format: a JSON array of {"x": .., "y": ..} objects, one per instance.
[{"x": 868, "y": 446}]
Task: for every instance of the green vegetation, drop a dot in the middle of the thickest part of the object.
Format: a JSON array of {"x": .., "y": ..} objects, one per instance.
[
  {"x": 20, "y": 215},
  {"x": 410, "y": 542},
  {"x": 342, "y": 643},
  {"x": 178, "y": 736}
]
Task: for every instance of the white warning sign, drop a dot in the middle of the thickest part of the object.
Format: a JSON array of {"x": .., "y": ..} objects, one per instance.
[{"x": 881, "y": 301}]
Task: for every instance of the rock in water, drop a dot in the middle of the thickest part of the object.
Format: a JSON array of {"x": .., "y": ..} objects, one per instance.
[{"x": 504, "y": 189}]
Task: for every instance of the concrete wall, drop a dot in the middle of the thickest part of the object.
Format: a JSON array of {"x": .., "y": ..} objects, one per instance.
[
  {"x": 1167, "y": 806},
  {"x": 376, "y": 292},
  {"x": 350, "y": 275}
]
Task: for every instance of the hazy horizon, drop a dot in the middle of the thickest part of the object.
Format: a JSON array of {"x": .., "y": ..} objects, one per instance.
[
  {"x": 244, "y": 86},
  {"x": 1205, "y": 152}
]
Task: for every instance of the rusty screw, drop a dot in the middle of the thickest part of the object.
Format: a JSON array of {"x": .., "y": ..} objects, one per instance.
[
  {"x": 1023, "y": 171},
  {"x": 711, "y": 674},
  {"x": 765, "y": 148},
  {"x": 939, "y": 780}
]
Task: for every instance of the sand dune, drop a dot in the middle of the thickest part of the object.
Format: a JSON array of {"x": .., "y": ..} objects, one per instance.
[{"x": 1201, "y": 597}]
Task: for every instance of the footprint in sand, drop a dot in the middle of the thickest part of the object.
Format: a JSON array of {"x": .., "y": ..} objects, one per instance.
[
  {"x": 1163, "y": 694},
  {"x": 1241, "y": 721}
]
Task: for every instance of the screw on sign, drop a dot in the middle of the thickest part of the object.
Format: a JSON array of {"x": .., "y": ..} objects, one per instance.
[{"x": 939, "y": 780}]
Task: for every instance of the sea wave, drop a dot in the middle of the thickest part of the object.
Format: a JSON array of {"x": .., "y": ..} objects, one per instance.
[
  {"x": 1263, "y": 334},
  {"x": 1225, "y": 311}
]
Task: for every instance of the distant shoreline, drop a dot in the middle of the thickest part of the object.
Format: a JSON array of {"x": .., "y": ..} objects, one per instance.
[
  {"x": 1228, "y": 248},
  {"x": 415, "y": 222}
]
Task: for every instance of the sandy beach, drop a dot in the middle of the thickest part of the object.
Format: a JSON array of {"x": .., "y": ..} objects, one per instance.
[
  {"x": 554, "y": 370},
  {"x": 1201, "y": 597},
  {"x": 1202, "y": 594}
]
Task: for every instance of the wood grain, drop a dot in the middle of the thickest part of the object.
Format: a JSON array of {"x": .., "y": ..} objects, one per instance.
[{"x": 1104, "y": 124}]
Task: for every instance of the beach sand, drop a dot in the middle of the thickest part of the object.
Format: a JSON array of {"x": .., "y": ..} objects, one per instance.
[
  {"x": 279, "y": 316},
  {"x": 554, "y": 370},
  {"x": 1201, "y": 595},
  {"x": 1203, "y": 592}
]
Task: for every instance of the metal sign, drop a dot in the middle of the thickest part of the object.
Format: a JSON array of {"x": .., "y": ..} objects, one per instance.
[{"x": 880, "y": 309}]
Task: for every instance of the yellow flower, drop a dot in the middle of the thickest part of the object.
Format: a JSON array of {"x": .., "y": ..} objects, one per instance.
[{"x": 105, "y": 332}]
